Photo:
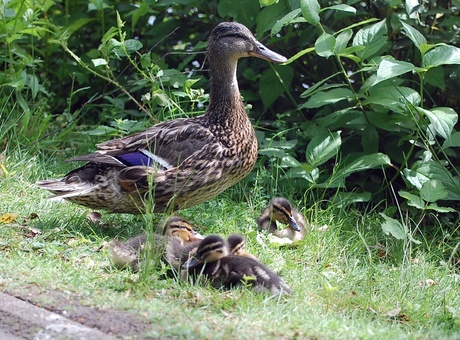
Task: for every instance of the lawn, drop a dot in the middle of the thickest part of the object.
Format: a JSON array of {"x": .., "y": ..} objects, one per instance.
[{"x": 349, "y": 279}]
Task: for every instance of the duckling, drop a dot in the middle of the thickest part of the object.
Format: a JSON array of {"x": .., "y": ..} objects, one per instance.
[
  {"x": 222, "y": 269},
  {"x": 281, "y": 210},
  {"x": 182, "y": 162},
  {"x": 175, "y": 230},
  {"x": 237, "y": 246}
]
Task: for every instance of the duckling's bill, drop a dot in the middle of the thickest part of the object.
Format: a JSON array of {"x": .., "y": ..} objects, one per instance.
[{"x": 293, "y": 224}]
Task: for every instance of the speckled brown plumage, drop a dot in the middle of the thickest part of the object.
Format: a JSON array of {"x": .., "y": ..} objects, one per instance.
[
  {"x": 182, "y": 162},
  {"x": 281, "y": 210},
  {"x": 222, "y": 269}
]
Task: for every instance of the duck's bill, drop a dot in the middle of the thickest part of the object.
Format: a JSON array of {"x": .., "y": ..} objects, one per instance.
[
  {"x": 260, "y": 51},
  {"x": 293, "y": 224},
  {"x": 191, "y": 262},
  {"x": 196, "y": 236}
]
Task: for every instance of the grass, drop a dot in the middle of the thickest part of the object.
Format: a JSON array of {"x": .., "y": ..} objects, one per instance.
[{"x": 343, "y": 288}]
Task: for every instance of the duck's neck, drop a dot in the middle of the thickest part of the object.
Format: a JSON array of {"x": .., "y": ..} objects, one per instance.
[{"x": 225, "y": 104}]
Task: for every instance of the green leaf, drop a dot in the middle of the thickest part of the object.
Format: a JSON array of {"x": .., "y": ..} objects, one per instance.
[
  {"x": 272, "y": 152},
  {"x": 394, "y": 227},
  {"x": 310, "y": 11},
  {"x": 435, "y": 207},
  {"x": 441, "y": 55},
  {"x": 435, "y": 170},
  {"x": 413, "y": 200},
  {"x": 322, "y": 148},
  {"x": 264, "y": 3},
  {"x": 433, "y": 191},
  {"x": 372, "y": 38},
  {"x": 132, "y": 45},
  {"x": 390, "y": 68},
  {"x": 362, "y": 163},
  {"x": 325, "y": 45},
  {"x": 341, "y": 8},
  {"x": 417, "y": 38},
  {"x": 344, "y": 199},
  {"x": 287, "y": 19},
  {"x": 99, "y": 62},
  {"x": 291, "y": 162},
  {"x": 453, "y": 141},
  {"x": 442, "y": 119},
  {"x": 393, "y": 97},
  {"x": 333, "y": 96},
  {"x": 341, "y": 41}
]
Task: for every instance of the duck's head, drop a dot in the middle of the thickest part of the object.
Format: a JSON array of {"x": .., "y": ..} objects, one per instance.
[
  {"x": 236, "y": 244},
  {"x": 211, "y": 249},
  {"x": 232, "y": 40},
  {"x": 179, "y": 227},
  {"x": 280, "y": 209}
]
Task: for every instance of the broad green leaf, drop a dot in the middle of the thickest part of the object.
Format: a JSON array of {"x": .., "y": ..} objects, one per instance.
[
  {"x": 272, "y": 152},
  {"x": 394, "y": 227},
  {"x": 390, "y": 68},
  {"x": 299, "y": 54},
  {"x": 99, "y": 62},
  {"x": 273, "y": 83},
  {"x": 341, "y": 41},
  {"x": 441, "y": 55},
  {"x": 310, "y": 11},
  {"x": 417, "y": 38},
  {"x": 413, "y": 200},
  {"x": 415, "y": 178},
  {"x": 362, "y": 163},
  {"x": 325, "y": 45},
  {"x": 412, "y": 8},
  {"x": 322, "y": 148},
  {"x": 291, "y": 162},
  {"x": 442, "y": 119},
  {"x": 341, "y": 8},
  {"x": 453, "y": 141},
  {"x": 333, "y": 96},
  {"x": 344, "y": 199},
  {"x": 284, "y": 21},
  {"x": 435, "y": 170},
  {"x": 264, "y": 3},
  {"x": 132, "y": 45},
  {"x": 435, "y": 207},
  {"x": 372, "y": 38},
  {"x": 370, "y": 139},
  {"x": 433, "y": 191},
  {"x": 393, "y": 97}
]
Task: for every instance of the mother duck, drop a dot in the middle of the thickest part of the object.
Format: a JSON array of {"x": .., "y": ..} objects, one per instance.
[{"x": 182, "y": 162}]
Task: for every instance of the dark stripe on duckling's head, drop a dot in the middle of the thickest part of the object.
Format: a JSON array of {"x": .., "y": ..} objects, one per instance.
[
  {"x": 212, "y": 249},
  {"x": 236, "y": 244},
  {"x": 180, "y": 227},
  {"x": 281, "y": 211}
]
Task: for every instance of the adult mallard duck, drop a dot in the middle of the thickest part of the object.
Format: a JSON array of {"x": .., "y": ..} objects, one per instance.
[
  {"x": 223, "y": 269},
  {"x": 176, "y": 230},
  {"x": 182, "y": 162},
  {"x": 281, "y": 210}
]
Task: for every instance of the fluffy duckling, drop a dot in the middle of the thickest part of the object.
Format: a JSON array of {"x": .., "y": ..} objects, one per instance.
[
  {"x": 237, "y": 246},
  {"x": 281, "y": 210},
  {"x": 214, "y": 261},
  {"x": 175, "y": 229}
]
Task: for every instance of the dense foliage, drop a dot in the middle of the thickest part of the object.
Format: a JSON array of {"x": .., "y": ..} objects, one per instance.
[{"x": 364, "y": 111}]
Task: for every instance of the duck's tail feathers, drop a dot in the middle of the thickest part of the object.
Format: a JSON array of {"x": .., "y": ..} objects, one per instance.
[{"x": 63, "y": 190}]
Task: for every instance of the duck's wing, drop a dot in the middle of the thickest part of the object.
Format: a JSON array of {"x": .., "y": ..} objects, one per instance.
[{"x": 166, "y": 144}]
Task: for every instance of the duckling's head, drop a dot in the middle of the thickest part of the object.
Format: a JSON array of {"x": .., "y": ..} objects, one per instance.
[
  {"x": 236, "y": 244},
  {"x": 181, "y": 228},
  {"x": 281, "y": 210},
  {"x": 233, "y": 40},
  {"x": 212, "y": 249}
]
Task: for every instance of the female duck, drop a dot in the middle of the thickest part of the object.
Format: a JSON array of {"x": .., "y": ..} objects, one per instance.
[
  {"x": 176, "y": 230},
  {"x": 281, "y": 210},
  {"x": 182, "y": 162},
  {"x": 222, "y": 269}
]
